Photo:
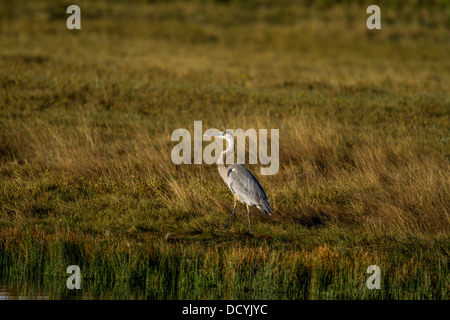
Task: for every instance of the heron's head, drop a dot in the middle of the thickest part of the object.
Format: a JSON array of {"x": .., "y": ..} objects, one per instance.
[{"x": 220, "y": 135}]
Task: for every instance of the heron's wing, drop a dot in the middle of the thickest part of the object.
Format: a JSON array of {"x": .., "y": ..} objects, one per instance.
[{"x": 244, "y": 184}]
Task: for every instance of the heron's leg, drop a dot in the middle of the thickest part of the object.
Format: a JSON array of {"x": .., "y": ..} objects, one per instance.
[
  {"x": 232, "y": 213},
  {"x": 249, "y": 224}
]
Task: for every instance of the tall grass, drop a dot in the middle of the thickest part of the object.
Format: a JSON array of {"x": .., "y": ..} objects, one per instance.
[
  {"x": 85, "y": 171},
  {"x": 153, "y": 268}
]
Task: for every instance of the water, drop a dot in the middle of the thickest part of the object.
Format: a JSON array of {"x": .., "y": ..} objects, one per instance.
[
  {"x": 51, "y": 291},
  {"x": 57, "y": 290},
  {"x": 9, "y": 293}
]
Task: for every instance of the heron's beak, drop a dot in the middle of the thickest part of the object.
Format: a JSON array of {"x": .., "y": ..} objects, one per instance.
[{"x": 212, "y": 134}]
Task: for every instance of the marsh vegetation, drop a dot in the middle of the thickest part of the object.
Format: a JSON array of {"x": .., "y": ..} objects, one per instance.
[{"x": 86, "y": 177}]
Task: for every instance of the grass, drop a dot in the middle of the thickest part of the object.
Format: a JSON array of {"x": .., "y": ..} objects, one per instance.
[{"x": 86, "y": 177}]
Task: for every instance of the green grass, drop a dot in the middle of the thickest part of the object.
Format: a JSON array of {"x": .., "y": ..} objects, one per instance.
[
  {"x": 86, "y": 177},
  {"x": 236, "y": 268}
]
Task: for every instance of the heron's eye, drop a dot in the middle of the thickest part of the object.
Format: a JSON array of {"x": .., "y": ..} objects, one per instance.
[{"x": 223, "y": 133}]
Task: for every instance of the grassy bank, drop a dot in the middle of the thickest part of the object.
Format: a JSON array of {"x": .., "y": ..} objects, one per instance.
[
  {"x": 86, "y": 176},
  {"x": 146, "y": 267}
]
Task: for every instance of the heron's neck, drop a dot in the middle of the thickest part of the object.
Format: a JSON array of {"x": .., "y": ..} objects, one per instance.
[{"x": 229, "y": 150}]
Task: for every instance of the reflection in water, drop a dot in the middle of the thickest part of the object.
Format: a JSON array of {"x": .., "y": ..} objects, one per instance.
[
  {"x": 7, "y": 293},
  {"x": 90, "y": 290},
  {"x": 30, "y": 291}
]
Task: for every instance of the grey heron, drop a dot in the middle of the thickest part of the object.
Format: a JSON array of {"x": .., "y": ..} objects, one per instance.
[{"x": 241, "y": 181}]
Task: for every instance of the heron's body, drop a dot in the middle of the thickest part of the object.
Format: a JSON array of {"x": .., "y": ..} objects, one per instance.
[
  {"x": 241, "y": 182},
  {"x": 245, "y": 187}
]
